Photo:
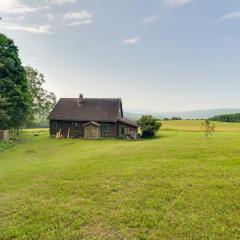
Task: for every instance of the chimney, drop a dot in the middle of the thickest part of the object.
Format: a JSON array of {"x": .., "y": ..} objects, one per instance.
[{"x": 80, "y": 100}]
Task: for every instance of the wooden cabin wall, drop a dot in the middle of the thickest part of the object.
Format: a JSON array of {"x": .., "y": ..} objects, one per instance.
[
  {"x": 129, "y": 128},
  {"x": 112, "y": 130},
  {"x": 77, "y": 131},
  {"x": 76, "y": 128}
]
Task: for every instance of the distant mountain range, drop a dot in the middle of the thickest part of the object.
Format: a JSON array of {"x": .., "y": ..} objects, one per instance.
[{"x": 197, "y": 114}]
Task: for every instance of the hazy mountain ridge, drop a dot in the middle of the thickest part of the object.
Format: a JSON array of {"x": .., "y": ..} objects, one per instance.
[{"x": 196, "y": 114}]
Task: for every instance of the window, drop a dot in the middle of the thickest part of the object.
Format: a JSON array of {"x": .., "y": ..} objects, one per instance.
[
  {"x": 105, "y": 128},
  {"x": 54, "y": 124}
]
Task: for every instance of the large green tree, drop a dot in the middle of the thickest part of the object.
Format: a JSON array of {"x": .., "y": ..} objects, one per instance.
[
  {"x": 43, "y": 101},
  {"x": 4, "y": 118},
  {"x": 14, "y": 84}
]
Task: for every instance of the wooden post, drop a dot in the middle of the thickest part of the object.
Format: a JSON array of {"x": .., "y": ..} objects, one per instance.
[
  {"x": 4, "y": 135},
  {"x": 68, "y": 133},
  {"x": 60, "y": 133}
]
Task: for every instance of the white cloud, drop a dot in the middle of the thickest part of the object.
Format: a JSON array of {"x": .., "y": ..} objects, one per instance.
[
  {"x": 50, "y": 17},
  {"x": 150, "y": 19},
  {"x": 15, "y": 7},
  {"x": 177, "y": 3},
  {"x": 30, "y": 28},
  {"x": 20, "y": 18},
  {"x": 78, "y": 18},
  {"x": 131, "y": 41},
  {"x": 18, "y": 7},
  {"x": 60, "y": 2},
  {"x": 229, "y": 16}
]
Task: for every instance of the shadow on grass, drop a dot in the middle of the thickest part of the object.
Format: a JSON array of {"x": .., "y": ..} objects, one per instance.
[{"x": 154, "y": 138}]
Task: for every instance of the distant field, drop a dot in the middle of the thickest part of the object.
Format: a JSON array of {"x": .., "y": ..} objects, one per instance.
[
  {"x": 195, "y": 125},
  {"x": 176, "y": 186}
]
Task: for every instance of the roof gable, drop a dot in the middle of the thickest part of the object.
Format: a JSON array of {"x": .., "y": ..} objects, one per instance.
[
  {"x": 91, "y": 123},
  {"x": 91, "y": 109}
]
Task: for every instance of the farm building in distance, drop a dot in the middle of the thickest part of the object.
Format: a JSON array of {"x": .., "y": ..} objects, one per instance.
[{"x": 91, "y": 118}]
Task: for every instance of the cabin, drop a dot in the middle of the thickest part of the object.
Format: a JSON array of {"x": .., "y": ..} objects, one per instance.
[{"x": 91, "y": 118}]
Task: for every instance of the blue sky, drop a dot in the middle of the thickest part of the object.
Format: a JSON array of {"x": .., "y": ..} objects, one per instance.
[{"x": 161, "y": 55}]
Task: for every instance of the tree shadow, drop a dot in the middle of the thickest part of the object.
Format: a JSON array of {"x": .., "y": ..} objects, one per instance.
[{"x": 154, "y": 138}]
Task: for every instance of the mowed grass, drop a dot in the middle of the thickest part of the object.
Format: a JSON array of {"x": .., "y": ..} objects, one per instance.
[
  {"x": 176, "y": 186},
  {"x": 196, "y": 125}
]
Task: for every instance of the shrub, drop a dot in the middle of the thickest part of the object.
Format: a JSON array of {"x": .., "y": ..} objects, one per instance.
[
  {"x": 149, "y": 126},
  {"x": 6, "y": 144}
]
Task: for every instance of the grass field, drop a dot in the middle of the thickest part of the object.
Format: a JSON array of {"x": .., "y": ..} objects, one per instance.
[
  {"x": 176, "y": 186},
  {"x": 195, "y": 125}
]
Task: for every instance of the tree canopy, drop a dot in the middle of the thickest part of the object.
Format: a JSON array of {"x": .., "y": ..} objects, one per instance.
[
  {"x": 43, "y": 101},
  {"x": 22, "y": 96},
  {"x": 14, "y": 84},
  {"x": 4, "y": 118},
  {"x": 227, "y": 118}
]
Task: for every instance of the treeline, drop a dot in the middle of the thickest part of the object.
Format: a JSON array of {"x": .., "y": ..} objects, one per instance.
[
  {"x": 171, "y": 119},
  {"x": 22, "y": 96},
  {"x": 235, "y": 118}
]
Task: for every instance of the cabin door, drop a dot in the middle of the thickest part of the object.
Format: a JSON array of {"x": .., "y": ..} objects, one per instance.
[
  {"x": 91, "y": 132},
  {"x": 122, "y": 131}
]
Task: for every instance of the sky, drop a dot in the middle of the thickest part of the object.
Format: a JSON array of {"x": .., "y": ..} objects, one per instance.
[{"x": 157, "y": 55}]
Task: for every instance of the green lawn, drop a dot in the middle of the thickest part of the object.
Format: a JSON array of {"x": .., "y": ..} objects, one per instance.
[
  {"x": 176, "y": 186},
  {"x": 196, "y": 125}
]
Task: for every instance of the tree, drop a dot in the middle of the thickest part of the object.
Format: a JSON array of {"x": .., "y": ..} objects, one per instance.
[
  {"x": 4, "y": 118},
  {"x": 227, "y": 118},
  {"x": 13, "y": 84},
  {"x": 208, "y": 128},
  {"x": 149, "y": 125},
  {"x": 43, "y": 101},
  {"x": 176, "y": 118}
]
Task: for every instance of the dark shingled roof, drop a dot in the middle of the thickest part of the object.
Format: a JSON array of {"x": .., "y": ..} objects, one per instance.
[
  {"x": 127, "y": 121},
  {"x": 92, "y": 109}
]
